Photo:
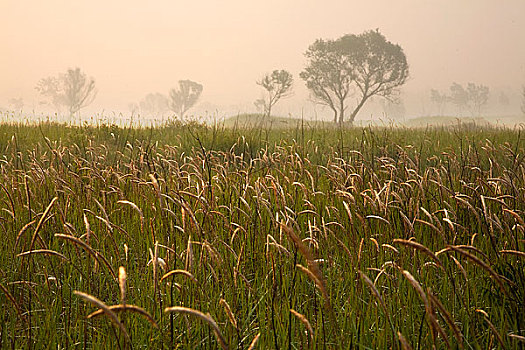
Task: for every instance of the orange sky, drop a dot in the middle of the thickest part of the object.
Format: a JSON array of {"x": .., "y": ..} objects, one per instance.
[{"x": 133, "y": 47}]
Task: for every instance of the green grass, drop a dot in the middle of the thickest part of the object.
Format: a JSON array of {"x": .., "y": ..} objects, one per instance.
[{"x": 226, "y": 192}]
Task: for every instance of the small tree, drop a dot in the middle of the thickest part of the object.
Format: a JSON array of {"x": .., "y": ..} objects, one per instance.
[
  {"x": 73, "y": 90},
  {"x": 439, "y": 99},
  {"x": 155, "y": 104},
  {"x": 478, "y": 96},
  {"x": 181, "y": 100},
  {"x": 459, "y": 96},
  {"x": 278, "y": 85}
]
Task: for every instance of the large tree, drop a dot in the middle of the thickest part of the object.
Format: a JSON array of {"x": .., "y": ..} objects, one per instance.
[
  {"x": 73, "y": 90},
  {"x": 366, "y": 63},
  {"x": 328, "y": 75},
  {"x": 185, "y": 97},
  {"x": 278, "y": 85}
]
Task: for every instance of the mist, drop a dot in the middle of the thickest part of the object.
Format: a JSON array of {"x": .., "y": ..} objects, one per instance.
[{"x": 134, "y": 48}]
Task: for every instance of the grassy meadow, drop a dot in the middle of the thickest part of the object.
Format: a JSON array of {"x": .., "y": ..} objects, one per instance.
[{"x": 200, "y": 237}]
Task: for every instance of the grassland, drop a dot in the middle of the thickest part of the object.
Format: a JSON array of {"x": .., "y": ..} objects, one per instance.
[{"x": 190, "y": 237}]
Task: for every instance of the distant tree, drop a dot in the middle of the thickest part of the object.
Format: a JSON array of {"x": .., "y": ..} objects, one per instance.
[
  {"x": 155, "y": 104},
  {"x": 278, "y": 85},
  {"x": 366, "y": 63},
  {"x": 474, "y": 97},
  {"x": 478, "y": 96},
  {"x": 459, "y": 96},
  {"x": 181, "y": 100},
  {"x": 393, "y": 109},
  {"x": 16, "y": 103},
  {"x": 439, "y": 99},
  {"x": 73, "y": 90}
]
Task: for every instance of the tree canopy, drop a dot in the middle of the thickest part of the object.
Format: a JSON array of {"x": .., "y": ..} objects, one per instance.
[{"x": 365, "y": 65}]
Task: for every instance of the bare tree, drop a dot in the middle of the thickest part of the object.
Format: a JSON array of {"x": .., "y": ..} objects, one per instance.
[
  {"x": 278, "y": 85},
  {"x": 73, "y": 90},
  {"x": 181, "y": 100},
  {"x": 367, "y": 63}
]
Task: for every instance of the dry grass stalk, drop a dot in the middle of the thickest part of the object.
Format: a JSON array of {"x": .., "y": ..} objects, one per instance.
[
  {"x": 179, "y": 272},
  {"x": 305, "y": 322},
  {"x": 127, "y": 307},
  {"x": 421, "y": 248},
  {"x": 39, "y": 225},
  {"x": 97, "y": 256},
  {"x": 13, "y": 301},
  {"x": 374, "y": 291},
  {"x": 448, "y": 318},
  {"x": 205, "y": 317},
  {"x": 42, "y": 251},
  {"x": 519, "y": 338},
  {"x": 229, "y": 312},
  {"x": 513, "y": 252},
  {"x": 122, "y": 277},
  {"x": 22, "y": 230},
  {"x": 483, "y": 265},
  {"x": 107, "y": 311},
  {"x": 404, "y": 343},
  {"x": 254, "y": 341},
  {"x": 492, "y": 327}
]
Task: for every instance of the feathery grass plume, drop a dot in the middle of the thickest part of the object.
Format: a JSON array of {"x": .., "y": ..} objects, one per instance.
[
  {"x": 229, "y": 312},
  {"x": 88, "y": 228},
  {"x": 44, "y": 252},
  {"x": 374, "y": 291},
  {"x": 107, "y": 311},
  {"x": 39, "y": 225},
  {"x": 137, "y": 209},
  {"x": 179, "y": 272},
  {"x": 22, "y": 230},
  {"x": 305, "y": 322},
  {"x": 254, "y": 342},
  {"x": 205, "y": 317},
  {"x": 126, "y": 307},
  {"x": 483, "y": 265},
  {"x": 404, "y": 343},
  {"x": 518, "y": 338},
  {"x": 421, "y": 248},
  {"x": 513, "y": 252},
  {"x": 122, "y": 277},
  {"x": 492, "y": 327},
  {"x": 99, "y": 258}
]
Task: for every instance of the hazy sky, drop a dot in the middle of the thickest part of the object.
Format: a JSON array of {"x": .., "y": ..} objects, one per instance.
[{"x": 132, "y": 47}]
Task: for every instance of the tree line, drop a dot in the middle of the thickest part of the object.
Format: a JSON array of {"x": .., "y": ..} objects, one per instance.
[{"x": 353, "y": 66}]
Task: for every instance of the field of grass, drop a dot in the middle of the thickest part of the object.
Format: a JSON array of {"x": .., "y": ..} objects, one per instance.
[{"x": 195, "y": 237}]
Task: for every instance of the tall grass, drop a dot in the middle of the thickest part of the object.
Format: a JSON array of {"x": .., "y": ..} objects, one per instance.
[{"x": 204, "y": 237}]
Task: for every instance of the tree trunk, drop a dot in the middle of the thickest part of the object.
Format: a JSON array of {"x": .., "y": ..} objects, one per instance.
[
  {"x": 356, "y": 110},
  {"x": 341, "y": 112},
  {"x": 335, "y": 115}
]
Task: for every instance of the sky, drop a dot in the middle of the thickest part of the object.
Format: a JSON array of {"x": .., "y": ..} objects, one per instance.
[{"x": 133, "y": 48}]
